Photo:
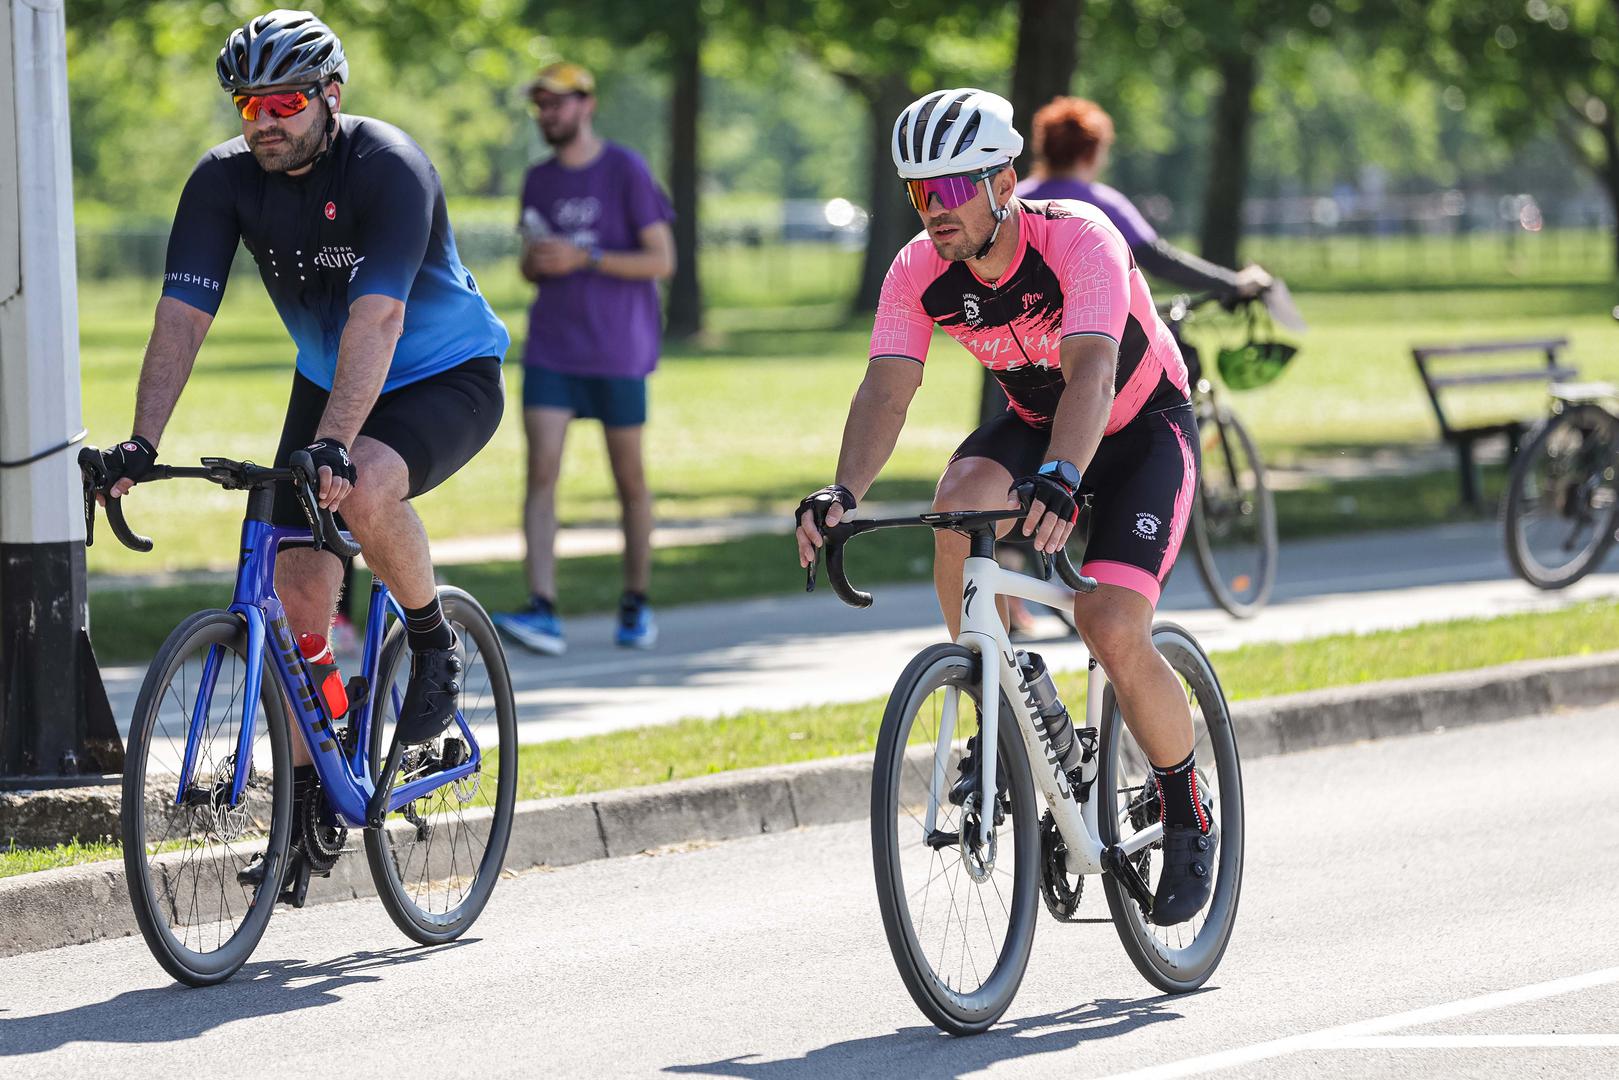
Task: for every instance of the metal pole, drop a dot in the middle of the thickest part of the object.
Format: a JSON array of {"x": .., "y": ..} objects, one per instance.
[{"x": 55, "y": 725}]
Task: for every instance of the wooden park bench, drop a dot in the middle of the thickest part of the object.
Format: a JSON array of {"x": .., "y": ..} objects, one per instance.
[{"x": 1463, "y": 438}]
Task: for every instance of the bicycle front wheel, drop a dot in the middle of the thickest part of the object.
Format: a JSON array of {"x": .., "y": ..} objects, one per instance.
[
  {"x": 186, "y": 835},
  {"x": 959, "y": 917},
  {"x": 1562, "y": 498},
  {"x": 1178, "y": 958},
  {"x": 435, "y": 862},
  {"x": 1234, "y": 518}
]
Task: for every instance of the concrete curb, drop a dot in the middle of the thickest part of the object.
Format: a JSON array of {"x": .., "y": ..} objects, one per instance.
[{"x": 83, "y": 903}]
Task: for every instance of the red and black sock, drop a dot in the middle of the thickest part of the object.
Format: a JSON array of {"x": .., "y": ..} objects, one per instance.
[{"x": 1178, "y": 795}]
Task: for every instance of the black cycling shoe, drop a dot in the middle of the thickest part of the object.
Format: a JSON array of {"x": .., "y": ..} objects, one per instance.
[
  {"x": 1187, "y": 877},
  {"x": 967, "y": 767},
  {"x": 434, "y": 691},
  {"x": 294, "y": 880}
]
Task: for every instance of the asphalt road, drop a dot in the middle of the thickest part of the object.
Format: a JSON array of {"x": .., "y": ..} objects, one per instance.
[
  {"x": 790, "y": 650},
  {"x": 1440, "y": 905}
]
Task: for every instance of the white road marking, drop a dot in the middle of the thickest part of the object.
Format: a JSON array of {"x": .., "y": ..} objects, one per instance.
[
  {"x": 1330, "y": 1038},
  {"x": 1475, "y": 1042}
]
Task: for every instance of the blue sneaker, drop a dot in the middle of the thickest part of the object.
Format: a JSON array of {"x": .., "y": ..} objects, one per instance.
[
  {"x": 636, "y": 628},
  {"x": 538, "y": 629}
]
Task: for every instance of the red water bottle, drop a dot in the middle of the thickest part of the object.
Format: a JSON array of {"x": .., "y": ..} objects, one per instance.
[{"x": 323, "y": 667}]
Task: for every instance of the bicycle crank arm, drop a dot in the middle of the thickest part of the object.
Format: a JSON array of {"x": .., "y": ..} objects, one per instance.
[{"x": 1117, "y": 863}]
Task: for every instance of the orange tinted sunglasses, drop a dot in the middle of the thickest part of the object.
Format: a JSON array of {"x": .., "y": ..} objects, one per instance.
[{"x": 279, "y": 106}]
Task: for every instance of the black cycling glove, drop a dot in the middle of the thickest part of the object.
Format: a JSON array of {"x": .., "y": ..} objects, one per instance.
[
  {"x": 1057, "y": 496},
  {"x": 820, "y": 502},
  {"x": 131, "y": 460},
  {"x": 335, "y": 456}
]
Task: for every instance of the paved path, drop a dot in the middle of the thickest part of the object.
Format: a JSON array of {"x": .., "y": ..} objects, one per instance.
[
  {"x": 797, "y": 649},
  {"x": 1450, "y": 895}
]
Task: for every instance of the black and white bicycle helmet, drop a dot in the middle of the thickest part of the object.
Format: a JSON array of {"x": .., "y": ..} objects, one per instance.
[
  {"x": 953, "y": 132},
  {"x": 281, "y": 47}
]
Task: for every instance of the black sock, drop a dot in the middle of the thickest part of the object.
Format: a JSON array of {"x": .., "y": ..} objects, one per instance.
[
  {"x": 1182, "y": 803},
  {"x": 427, "y": 628},
  {"x": 542, "y": 603},
  {"x": 630, "y": 601}
]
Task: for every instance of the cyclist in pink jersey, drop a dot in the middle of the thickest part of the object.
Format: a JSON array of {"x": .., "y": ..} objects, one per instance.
[{"x": 1047, "y": 296}]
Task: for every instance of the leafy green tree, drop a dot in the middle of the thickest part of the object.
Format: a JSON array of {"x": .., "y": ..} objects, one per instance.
[
  {"x": 886, "y": 53},
  {"x": 1535, "y": 66}
]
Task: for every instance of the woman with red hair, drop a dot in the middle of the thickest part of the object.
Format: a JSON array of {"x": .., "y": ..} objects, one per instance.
[{"x": 1072, "y": 137}]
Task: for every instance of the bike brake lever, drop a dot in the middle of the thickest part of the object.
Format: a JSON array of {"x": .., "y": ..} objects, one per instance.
[{"x": 92, "y": 475}]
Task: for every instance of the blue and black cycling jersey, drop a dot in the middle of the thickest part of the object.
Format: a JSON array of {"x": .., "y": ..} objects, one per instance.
[{"x": 369, "y": 218}]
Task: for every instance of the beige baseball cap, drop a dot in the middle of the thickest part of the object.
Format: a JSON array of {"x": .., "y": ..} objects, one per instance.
[{"x": 563, "y": 77}]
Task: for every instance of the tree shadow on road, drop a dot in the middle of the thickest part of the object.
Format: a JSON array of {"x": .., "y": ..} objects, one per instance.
[
  {"x": 926, "y": 1051},
  {"x": 172, "y": 1013}
]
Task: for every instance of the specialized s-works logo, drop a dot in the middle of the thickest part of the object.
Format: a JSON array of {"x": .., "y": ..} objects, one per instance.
[
  {"x": 1029, "y": 702},
  {"x": 968, "y": 593}
]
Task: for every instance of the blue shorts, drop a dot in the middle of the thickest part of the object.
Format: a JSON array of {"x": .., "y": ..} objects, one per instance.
[{"x": 615, "y": 402}]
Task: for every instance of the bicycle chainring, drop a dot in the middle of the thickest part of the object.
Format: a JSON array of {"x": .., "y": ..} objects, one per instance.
[
  {"x": 322, "y": 843},
  {"x": 1061, "y": 897}
]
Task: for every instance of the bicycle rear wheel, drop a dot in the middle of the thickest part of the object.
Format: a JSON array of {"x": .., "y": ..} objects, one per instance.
[
  {"x": 960, "y": 921},
  {"x": 436, "y": 861},
  {"x": 185, "y": 838},
  {"x": 1562, "y": 498},
  {"x": 1178, "y": 958},
  {"x": 1234, "y": 518}
]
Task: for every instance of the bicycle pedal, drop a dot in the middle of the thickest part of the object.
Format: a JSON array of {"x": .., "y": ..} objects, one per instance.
[{"x": 1117, "y": 863}]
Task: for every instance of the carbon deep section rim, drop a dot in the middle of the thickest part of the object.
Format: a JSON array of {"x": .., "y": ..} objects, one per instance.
[
  {"x": 934, "y": 669},
  {"x": 157, "y": 879}
]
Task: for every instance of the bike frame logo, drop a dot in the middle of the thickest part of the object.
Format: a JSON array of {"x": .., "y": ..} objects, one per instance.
[{"x": 1061, "y": 778}]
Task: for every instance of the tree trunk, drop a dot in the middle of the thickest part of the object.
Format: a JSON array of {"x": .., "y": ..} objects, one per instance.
[
  {"x": 685, "y": 303},
  {"x": 1610, "y": 175},
  {"x": 1228, "y": 159},
  {"x": 1044, "y": 64},
  {"x": 893, "y": 222}
]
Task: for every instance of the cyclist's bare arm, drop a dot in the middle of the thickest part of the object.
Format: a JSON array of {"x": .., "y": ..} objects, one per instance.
[
  {"x": 178, "y": 330},
  {"x": 1088, "y": 364},
  {"x": 876, "y": 417},
  {"x": 364, "y": 354}
]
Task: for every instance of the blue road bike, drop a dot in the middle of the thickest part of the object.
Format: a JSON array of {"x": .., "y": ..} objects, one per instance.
[{"x": 208, "y": 781}]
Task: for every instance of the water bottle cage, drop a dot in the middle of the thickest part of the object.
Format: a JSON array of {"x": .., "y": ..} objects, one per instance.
[{"x": 1088, "y": 739}]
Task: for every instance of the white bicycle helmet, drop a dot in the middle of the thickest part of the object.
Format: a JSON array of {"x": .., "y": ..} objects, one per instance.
[{"x": 952, "y": 132}]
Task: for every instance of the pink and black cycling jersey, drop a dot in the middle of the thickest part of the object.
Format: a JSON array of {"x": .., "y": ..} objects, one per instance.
[{"x": 1072, "y": 274}]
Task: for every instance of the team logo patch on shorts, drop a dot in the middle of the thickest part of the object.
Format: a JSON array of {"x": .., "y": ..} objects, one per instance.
[{"x": 1147, "y": 526}]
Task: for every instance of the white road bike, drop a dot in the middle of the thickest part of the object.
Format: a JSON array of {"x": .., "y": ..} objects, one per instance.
[{"x": 960, "y": 887}]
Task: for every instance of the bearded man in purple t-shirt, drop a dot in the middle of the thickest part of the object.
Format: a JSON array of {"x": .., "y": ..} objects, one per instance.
[{"x": 596, "y": 238}]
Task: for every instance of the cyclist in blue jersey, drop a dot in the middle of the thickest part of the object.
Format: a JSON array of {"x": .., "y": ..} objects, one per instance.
[{"x": 397, "y": 382}]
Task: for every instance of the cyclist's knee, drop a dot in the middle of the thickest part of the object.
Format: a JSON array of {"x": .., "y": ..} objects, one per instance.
[{"x": 1113, "y": 631}]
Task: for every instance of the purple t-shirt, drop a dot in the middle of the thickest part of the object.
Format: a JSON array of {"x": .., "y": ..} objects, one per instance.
[
  {"x": 1119, "y": 210},
  {"x": 588, "y": 323}
]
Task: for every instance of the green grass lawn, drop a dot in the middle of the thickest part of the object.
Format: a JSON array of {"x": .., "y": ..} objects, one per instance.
[
  {"x": 750, "y": 419},
  {"x": 692, "y": 748}
]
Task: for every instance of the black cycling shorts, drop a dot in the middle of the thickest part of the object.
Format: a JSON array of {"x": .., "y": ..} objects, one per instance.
[
  {"x": 436, "y": 425},
  {"x": 1141, "y": 484}
]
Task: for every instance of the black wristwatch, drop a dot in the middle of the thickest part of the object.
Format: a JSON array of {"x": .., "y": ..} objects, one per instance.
[{"x": 1065, "y": 471}]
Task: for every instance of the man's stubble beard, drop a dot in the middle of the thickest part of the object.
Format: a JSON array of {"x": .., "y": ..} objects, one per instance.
[
  {"x": 293, "y": 152},
  {"x": 561, "y": 137}
]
